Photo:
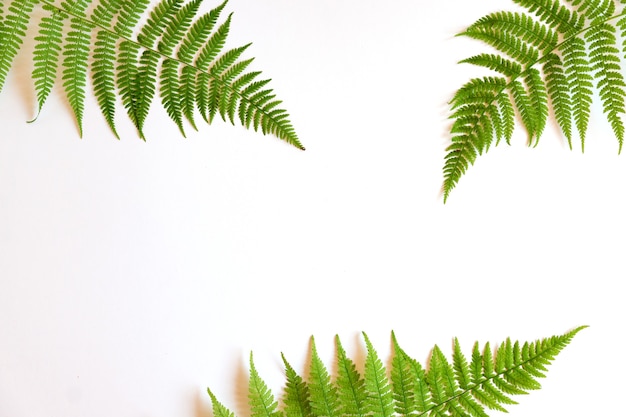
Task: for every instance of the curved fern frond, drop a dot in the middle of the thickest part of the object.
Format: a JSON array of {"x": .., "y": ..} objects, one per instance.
[
  {"x": 12, "y": 34},
  {"x": 379, "y": 400},
  {"x": 324, "y": 398},
  {"x": 262, "y": 402},
  {"x": 351, "y": 389},
  {"x": 46, "y": 55},
  {"x": 75, "y": 63},
  {"x": 218, "y": 408},
  {"x": 177, "y": 54},
  {"x": 296, "y": 398},
  {"x": 552, "y": 55},
  {"x": 456, "y": 388}
]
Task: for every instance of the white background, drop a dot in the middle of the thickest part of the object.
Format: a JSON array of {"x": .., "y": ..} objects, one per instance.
[{"x": 134, "y": 275}]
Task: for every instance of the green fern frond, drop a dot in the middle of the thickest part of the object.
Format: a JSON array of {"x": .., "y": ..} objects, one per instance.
[
  {"x": 380, "y": 399},
  {"x": 177, "y": 54},
  {"x": 449, "y": 389},
  {"x": 324, "y": 397},
  {"x": 497, "y": 63},
  {"x": 76, "y": 54},
  {"x": 46, "y": 55},
  {"x": 403, "y": 381},
  {"x": 262, "y": 402},
  {"x": 296, "y": 397},
  {"x": 351, "y": 389},
  {"x": 12, "y": 34},
  {"x": 218, "y": 408},
  {"x": 555, "y": 53}
]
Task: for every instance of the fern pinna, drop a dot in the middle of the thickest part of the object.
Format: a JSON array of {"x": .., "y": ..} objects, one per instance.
[
  {"x": 554, "y": 54},
  {"x": 175, "y": 54},
  {"x": 460, "y": 388}
]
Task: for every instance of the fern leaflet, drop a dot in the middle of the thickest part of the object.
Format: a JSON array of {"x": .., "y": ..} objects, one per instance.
[
  {"x": 262, "y": 402},
  {"x": 553, "y": 54},
  {"x": 176, "y": 55},
  {"x": 380, "y": 399},
  {"x": 351, "y": 387},
  {"x": 324, "y": 398},
  {"x": 458, "y": 388},
  {"x": 296, "y": 398}
]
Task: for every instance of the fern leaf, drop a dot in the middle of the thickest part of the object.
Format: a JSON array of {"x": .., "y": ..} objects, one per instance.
[
  {"x": 218, "y": 86},
  {"x": 594, "y": 9},
  {"x": 551, "y": 52},
  {"x": 324, "y": 397},
  {"x": 410, "y": 390},
  {"x": 484, "y": 391},
  {"x": 504, "y": 41},
  {"x": 145, "y": 80},
  {"x": 103, "y": 75},
  {"x": 174, "y": 52},
  {"x": 199, "y": 33},
  {"x": 46, "y": 55},
  {"x": 380, "y": 398},
  {"x": 104, "y": 11},
  {"x": 170, "y": 93},
  {"x": 605, "y": 61},
  {"x": 297, "y": 397},
  {"x": 160, "y": 17},
  {"x": 12, "y": 34},
  {"x": 440, "y": 378},
  {"x": 103, "y": 66},
  {"x": 558, "y": 89},
  {"x": 218, "y": 408},
  {"x": 518, "y": 25},
  {"x": 129, "y": 14},
  {"x": 213, "y": 46},
  {"x": 177, "y": 27},
  {"x": 578, "y": 70},
  {"x": 262, "y": 403},
  {"x": 351, "y": 391},
  {"x": 228, "y": 99},
  {"x": 446, "y": 390},
  {"x": 538, "y": 96},
  {"x": 507, "y": 112},
  {"x": 128, "y": 82},
  {"x": 553, "y": 13},
  {"x": 195, "y": 39},
  {"x": 461, "y": 367},
  {"x": 497, "y": 63},
  {"x": 75, "y": 63},
  {"x": 188, "y": 93}
]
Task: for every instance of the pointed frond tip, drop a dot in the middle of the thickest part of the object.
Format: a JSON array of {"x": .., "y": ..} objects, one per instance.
[
  {"x": 464, "y": 385},
  {"x": 554, "y": 54},
  {"x": 178, "y": 55}
]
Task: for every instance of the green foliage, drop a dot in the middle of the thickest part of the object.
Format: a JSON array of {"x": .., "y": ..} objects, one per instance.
[
  {"x": 552, "y": 55},
  {"x": 460, "y": 388},
  {"x": 176, "y": 54}
]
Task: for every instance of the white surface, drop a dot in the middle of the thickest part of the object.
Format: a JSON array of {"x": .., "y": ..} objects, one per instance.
[{"x": 134, "y": 275}]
